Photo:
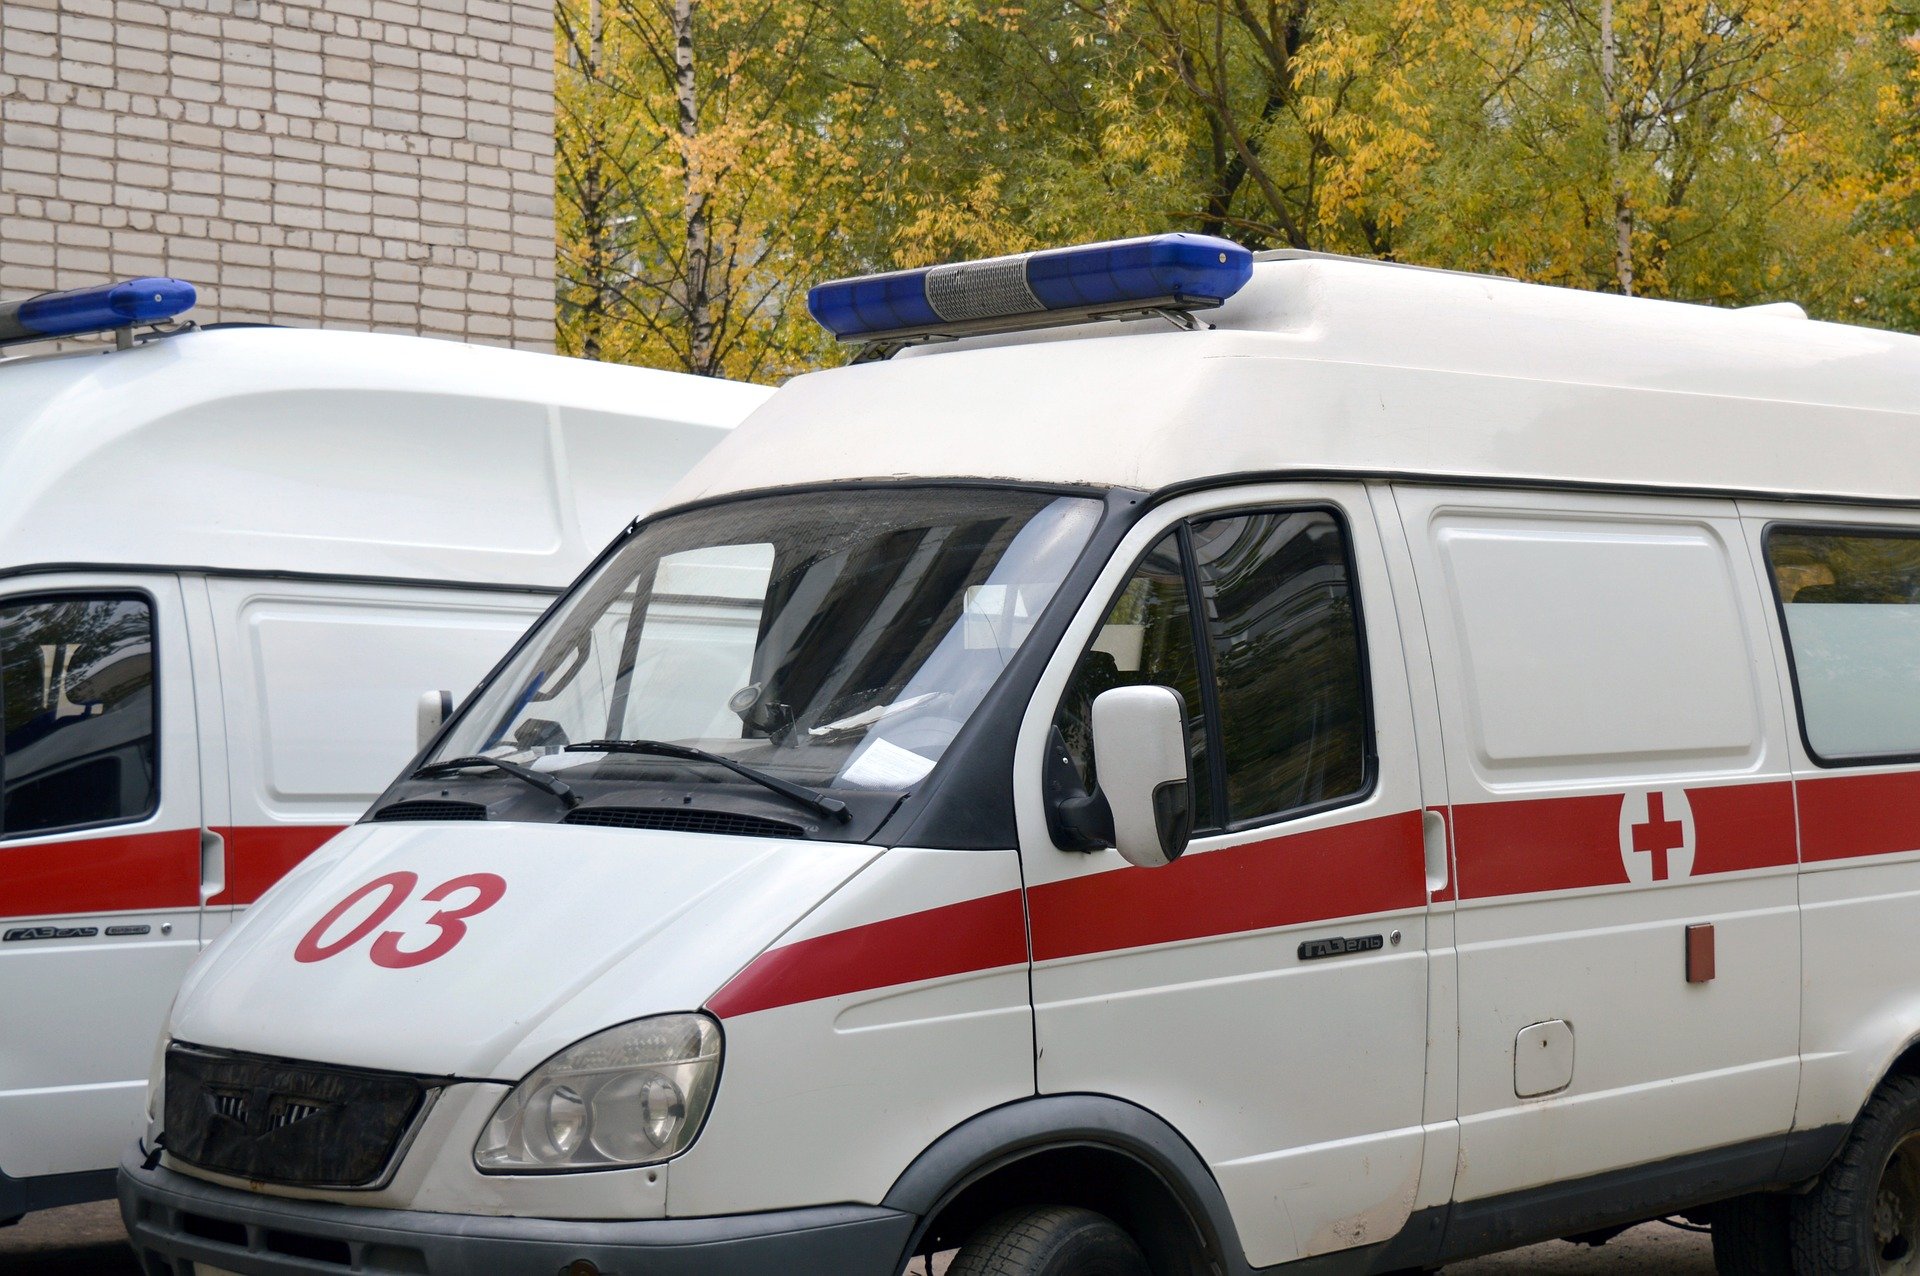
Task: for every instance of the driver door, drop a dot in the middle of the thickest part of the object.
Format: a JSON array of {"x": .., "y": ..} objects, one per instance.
[{"x": 1266, "y": 994}]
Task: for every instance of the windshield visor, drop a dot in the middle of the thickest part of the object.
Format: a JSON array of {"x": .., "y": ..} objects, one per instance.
[{"x": 835, "y": 639}]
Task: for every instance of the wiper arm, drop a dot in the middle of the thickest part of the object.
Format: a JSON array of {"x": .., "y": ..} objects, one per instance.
[
  {"x": 545, "y": 783},
  {"x": 810, "y": 798}
]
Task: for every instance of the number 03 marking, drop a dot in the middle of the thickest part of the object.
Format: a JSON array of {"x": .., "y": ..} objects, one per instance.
[{"x": 449, "y": 924}]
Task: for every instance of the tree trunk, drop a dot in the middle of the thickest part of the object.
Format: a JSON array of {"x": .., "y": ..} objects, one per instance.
[
  {"x": 593, "y": 194},
  {"x": 697, "y": 274},
  {"x": 1616, "y": 129}
]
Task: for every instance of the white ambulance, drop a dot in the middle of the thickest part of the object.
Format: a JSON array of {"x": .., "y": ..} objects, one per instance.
[
  {"x": 231, "y": 562},
  {"x": 1391, "y": 767}
]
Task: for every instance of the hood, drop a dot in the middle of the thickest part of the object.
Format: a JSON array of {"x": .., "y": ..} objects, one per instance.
[{"x": 478, "y": 950}]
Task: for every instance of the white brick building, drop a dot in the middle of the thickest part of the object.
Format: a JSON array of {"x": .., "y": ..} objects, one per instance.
[{"x": 378, "y": 164}]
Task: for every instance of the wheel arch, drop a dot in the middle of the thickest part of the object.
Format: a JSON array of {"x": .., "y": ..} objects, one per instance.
[{"x": 1076, "y": 1149}]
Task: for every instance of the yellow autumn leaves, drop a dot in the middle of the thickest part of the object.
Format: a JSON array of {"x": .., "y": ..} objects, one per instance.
[{"x": 717, "y": 157}]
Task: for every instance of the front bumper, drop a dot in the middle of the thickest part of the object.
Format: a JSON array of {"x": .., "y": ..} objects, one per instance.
[{"x": 179, "y": 1224}]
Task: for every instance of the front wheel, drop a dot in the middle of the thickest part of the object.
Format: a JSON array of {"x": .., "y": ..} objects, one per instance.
[
  {"x": 1055, "y": 1240},
  {"x": 1863, "y": 1219}
]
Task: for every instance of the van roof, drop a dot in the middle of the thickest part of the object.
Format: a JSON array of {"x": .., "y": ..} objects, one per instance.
[
  {"x": 1340, "y": 365},
  {"x": 340, "y": 453}
]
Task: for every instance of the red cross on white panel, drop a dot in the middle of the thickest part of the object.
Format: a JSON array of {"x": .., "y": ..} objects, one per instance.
[{"x": 1656, "y": 835}]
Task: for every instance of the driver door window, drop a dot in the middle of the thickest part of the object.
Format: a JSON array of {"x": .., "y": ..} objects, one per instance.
[
  {"x": 77, "y": 697},
  {"x": 1276, "y": 703}
]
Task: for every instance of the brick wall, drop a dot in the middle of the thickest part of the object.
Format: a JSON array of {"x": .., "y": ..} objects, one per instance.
[{"x": 380, "y": 164}]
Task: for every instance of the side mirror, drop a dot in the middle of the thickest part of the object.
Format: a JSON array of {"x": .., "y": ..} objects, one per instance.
[
  {"x": 434, "y": 708},
  {"x": 1140, "y": 742}
]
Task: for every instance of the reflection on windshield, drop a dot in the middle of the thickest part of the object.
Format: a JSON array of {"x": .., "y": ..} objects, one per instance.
[{"x": 836, "y": 639}]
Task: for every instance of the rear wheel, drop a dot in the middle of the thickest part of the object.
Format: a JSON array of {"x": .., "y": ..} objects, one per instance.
[
  {"x": 1752, "y": 1236},
  {"x": 1864, "y": 1217},
  {"x": 1054, "y": 1240}
]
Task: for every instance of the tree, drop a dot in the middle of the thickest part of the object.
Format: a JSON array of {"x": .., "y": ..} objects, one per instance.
[
  {"x": 1672, "y": 147},
  {"x": 694, "y": 177}
]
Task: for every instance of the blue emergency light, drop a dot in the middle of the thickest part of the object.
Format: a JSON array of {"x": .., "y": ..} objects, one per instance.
[
  {"x": 1172, "y": 274},
  {"x": 102, "y": 309}
]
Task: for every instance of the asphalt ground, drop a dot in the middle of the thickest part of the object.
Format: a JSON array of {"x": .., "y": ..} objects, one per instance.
[{"x": 87, "y": 1240}]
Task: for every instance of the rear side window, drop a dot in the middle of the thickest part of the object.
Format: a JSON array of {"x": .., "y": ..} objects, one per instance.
[
  {"x": 1850, "y": 604},
  {"x": 76, "y": 687},
  {"x": 1271, "y": 673}
]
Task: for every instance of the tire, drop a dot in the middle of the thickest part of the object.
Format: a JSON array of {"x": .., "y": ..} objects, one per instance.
[
  {"x": 1055, "y": 1240},
  {"x": 1863, "y": 1219},
  {"x": 1752, "y": 1236}
]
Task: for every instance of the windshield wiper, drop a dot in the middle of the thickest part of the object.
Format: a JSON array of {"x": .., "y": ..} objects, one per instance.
[
  {"x": 545, "y": 783},
  {"x": 811, "y": 798}
]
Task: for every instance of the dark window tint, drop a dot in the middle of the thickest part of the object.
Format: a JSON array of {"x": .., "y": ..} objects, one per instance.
[
  {"x": 1286, "y": 660},
  {"x": 1851, "y": 606},
  {"x": 76, "y": 686},
  {"x": 1147, "y": 638}
]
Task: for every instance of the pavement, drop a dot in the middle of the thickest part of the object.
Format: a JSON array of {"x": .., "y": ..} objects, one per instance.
[{"x": 87, "y": 1240}]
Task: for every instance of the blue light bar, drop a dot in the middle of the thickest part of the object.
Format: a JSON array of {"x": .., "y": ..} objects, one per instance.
[
  {"x": 1177, "y": 272},
  {"x": 102, "y": 309}
]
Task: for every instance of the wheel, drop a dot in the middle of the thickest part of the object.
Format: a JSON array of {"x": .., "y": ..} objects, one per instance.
[
  {"x": 1751, "y": 1236},
  {"x": 1055, "y": 1240},
  {"x": 1863, "y": 1219}
]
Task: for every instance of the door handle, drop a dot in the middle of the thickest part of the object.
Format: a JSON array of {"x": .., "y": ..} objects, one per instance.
[
  {"x": 213, "y": 864},
  {"x": 1433, "y": 832}
]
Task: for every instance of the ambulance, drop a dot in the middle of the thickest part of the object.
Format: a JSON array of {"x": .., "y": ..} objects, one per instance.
[
  {"x": 1171, "y": 762},
  {"x": 232, "y": 563}
]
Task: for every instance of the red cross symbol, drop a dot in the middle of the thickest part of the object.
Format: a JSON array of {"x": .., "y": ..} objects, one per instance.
[{"x": 1659, "y": 834}]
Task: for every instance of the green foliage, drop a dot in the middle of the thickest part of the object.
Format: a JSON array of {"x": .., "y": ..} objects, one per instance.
[{"x": 1725, "y": 151}]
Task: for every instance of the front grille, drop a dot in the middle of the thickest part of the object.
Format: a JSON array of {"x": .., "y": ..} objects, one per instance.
[
  {"x": 302, "y": 1124},
  {"x": 431, "y": 809},
  {"x": 682, "y": 820}
]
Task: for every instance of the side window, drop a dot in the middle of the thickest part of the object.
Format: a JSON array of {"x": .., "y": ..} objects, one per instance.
[
  {"x": 1276, "y": 701},
  {"x": 1850, "y": 602},
  {"x": 77, "y": 739},
  {"x": 1148, "y": 637},
  {"x": 1286, "y": 660}
]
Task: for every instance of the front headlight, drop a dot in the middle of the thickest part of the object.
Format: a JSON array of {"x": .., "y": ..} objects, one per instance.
[{"x": 631, "y": 1095}]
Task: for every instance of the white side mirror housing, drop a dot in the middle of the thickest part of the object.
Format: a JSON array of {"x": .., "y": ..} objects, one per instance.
[
  {"x": 1140, "y": 745},
  {"x": 435, "y": 708}
]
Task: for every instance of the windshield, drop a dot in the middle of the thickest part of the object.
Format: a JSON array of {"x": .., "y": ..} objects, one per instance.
[{"x": 833, "y": 639}]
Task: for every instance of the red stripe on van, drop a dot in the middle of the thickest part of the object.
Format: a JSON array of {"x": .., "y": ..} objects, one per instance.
[
  {"x": 935, "y": 943},
  {"x": 1534, "y": 845},
  {"x": 1743, "y": 826},
  {"x": 1372, "y": 866},
  {"x": 1844, "y": 816},
  {"x": 101, "y": 875},
  {"x": 258, "y": 857}
]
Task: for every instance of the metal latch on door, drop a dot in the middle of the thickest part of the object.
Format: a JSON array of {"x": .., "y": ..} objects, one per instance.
[{"x": 213, "y": 864}]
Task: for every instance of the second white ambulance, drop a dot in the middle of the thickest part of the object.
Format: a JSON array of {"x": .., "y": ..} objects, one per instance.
[
  {"x": 1390, "y": 767},
  {"x": 231, "y": 563}
]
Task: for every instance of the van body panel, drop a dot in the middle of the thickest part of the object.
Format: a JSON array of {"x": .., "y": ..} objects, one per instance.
[
  {"x": 1617, "y": 772},
  {"x": 239, "y": 450},
  {"x": 1366, "y": 371},
  {"x": 1860, "y": 838},
  {"x": 319, "y": 668},
  {"x": 531, "y": 946},
  {"x": 1190, "y": 990},
  {"x": 107, "y": 916},
  {"x": 895, "y": 1011}
]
